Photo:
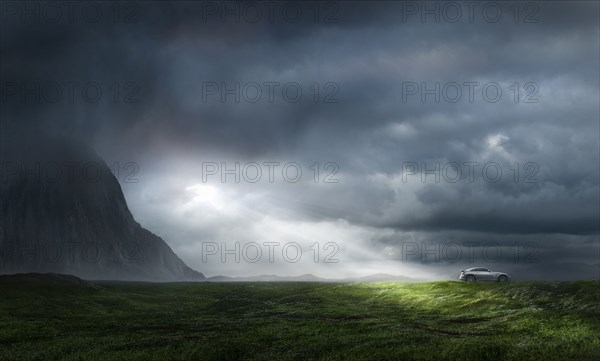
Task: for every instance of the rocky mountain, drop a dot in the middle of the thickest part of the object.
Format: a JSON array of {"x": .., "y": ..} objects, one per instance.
[{"x": 63, "y": 211}]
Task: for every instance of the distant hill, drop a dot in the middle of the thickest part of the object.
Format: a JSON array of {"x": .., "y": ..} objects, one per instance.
[
  {"x": 45, "y": 281},
  {"x": 558, "y": 272},
  {"x": 380, "y": 277}
]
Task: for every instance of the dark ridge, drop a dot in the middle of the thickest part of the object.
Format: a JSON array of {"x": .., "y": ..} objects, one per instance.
[
  {"x": 63, "y": 211},
  {"x": 46, "y": 280}
]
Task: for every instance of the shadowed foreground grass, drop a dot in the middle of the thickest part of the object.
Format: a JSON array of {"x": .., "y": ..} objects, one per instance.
[{"x": 267, "y": 321}]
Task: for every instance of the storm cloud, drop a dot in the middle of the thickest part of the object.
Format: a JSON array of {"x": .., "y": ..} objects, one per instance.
[{"x": 428, "y": 128}]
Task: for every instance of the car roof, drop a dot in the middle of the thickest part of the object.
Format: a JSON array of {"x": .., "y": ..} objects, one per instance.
[{"x": 472, "y": 268}]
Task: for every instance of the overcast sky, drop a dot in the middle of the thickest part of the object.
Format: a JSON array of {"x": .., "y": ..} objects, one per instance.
[{"x": 508, "y": 97}]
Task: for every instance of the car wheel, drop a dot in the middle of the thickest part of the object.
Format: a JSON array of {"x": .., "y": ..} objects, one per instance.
[
  {"x": 502, "y": 279},
  {"x": 471, "y": 278}
]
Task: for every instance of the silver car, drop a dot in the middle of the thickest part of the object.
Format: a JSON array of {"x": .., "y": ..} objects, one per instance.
[{"x": 483, "y": 274}]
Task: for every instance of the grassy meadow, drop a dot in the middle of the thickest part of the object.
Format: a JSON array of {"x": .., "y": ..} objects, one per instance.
[{"x": 66, "y": 320}]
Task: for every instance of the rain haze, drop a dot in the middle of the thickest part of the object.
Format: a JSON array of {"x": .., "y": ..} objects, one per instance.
[{"x": 335, "y": 139}]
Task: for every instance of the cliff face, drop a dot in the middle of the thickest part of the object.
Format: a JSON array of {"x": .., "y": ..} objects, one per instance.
[{"x": 63, "y": 211}]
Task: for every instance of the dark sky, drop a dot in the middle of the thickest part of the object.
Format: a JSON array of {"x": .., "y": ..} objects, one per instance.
[{"x": 162, "y": 68}]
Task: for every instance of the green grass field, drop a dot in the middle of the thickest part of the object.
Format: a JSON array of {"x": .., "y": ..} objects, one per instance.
[{"x": 268, "y": 321}]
